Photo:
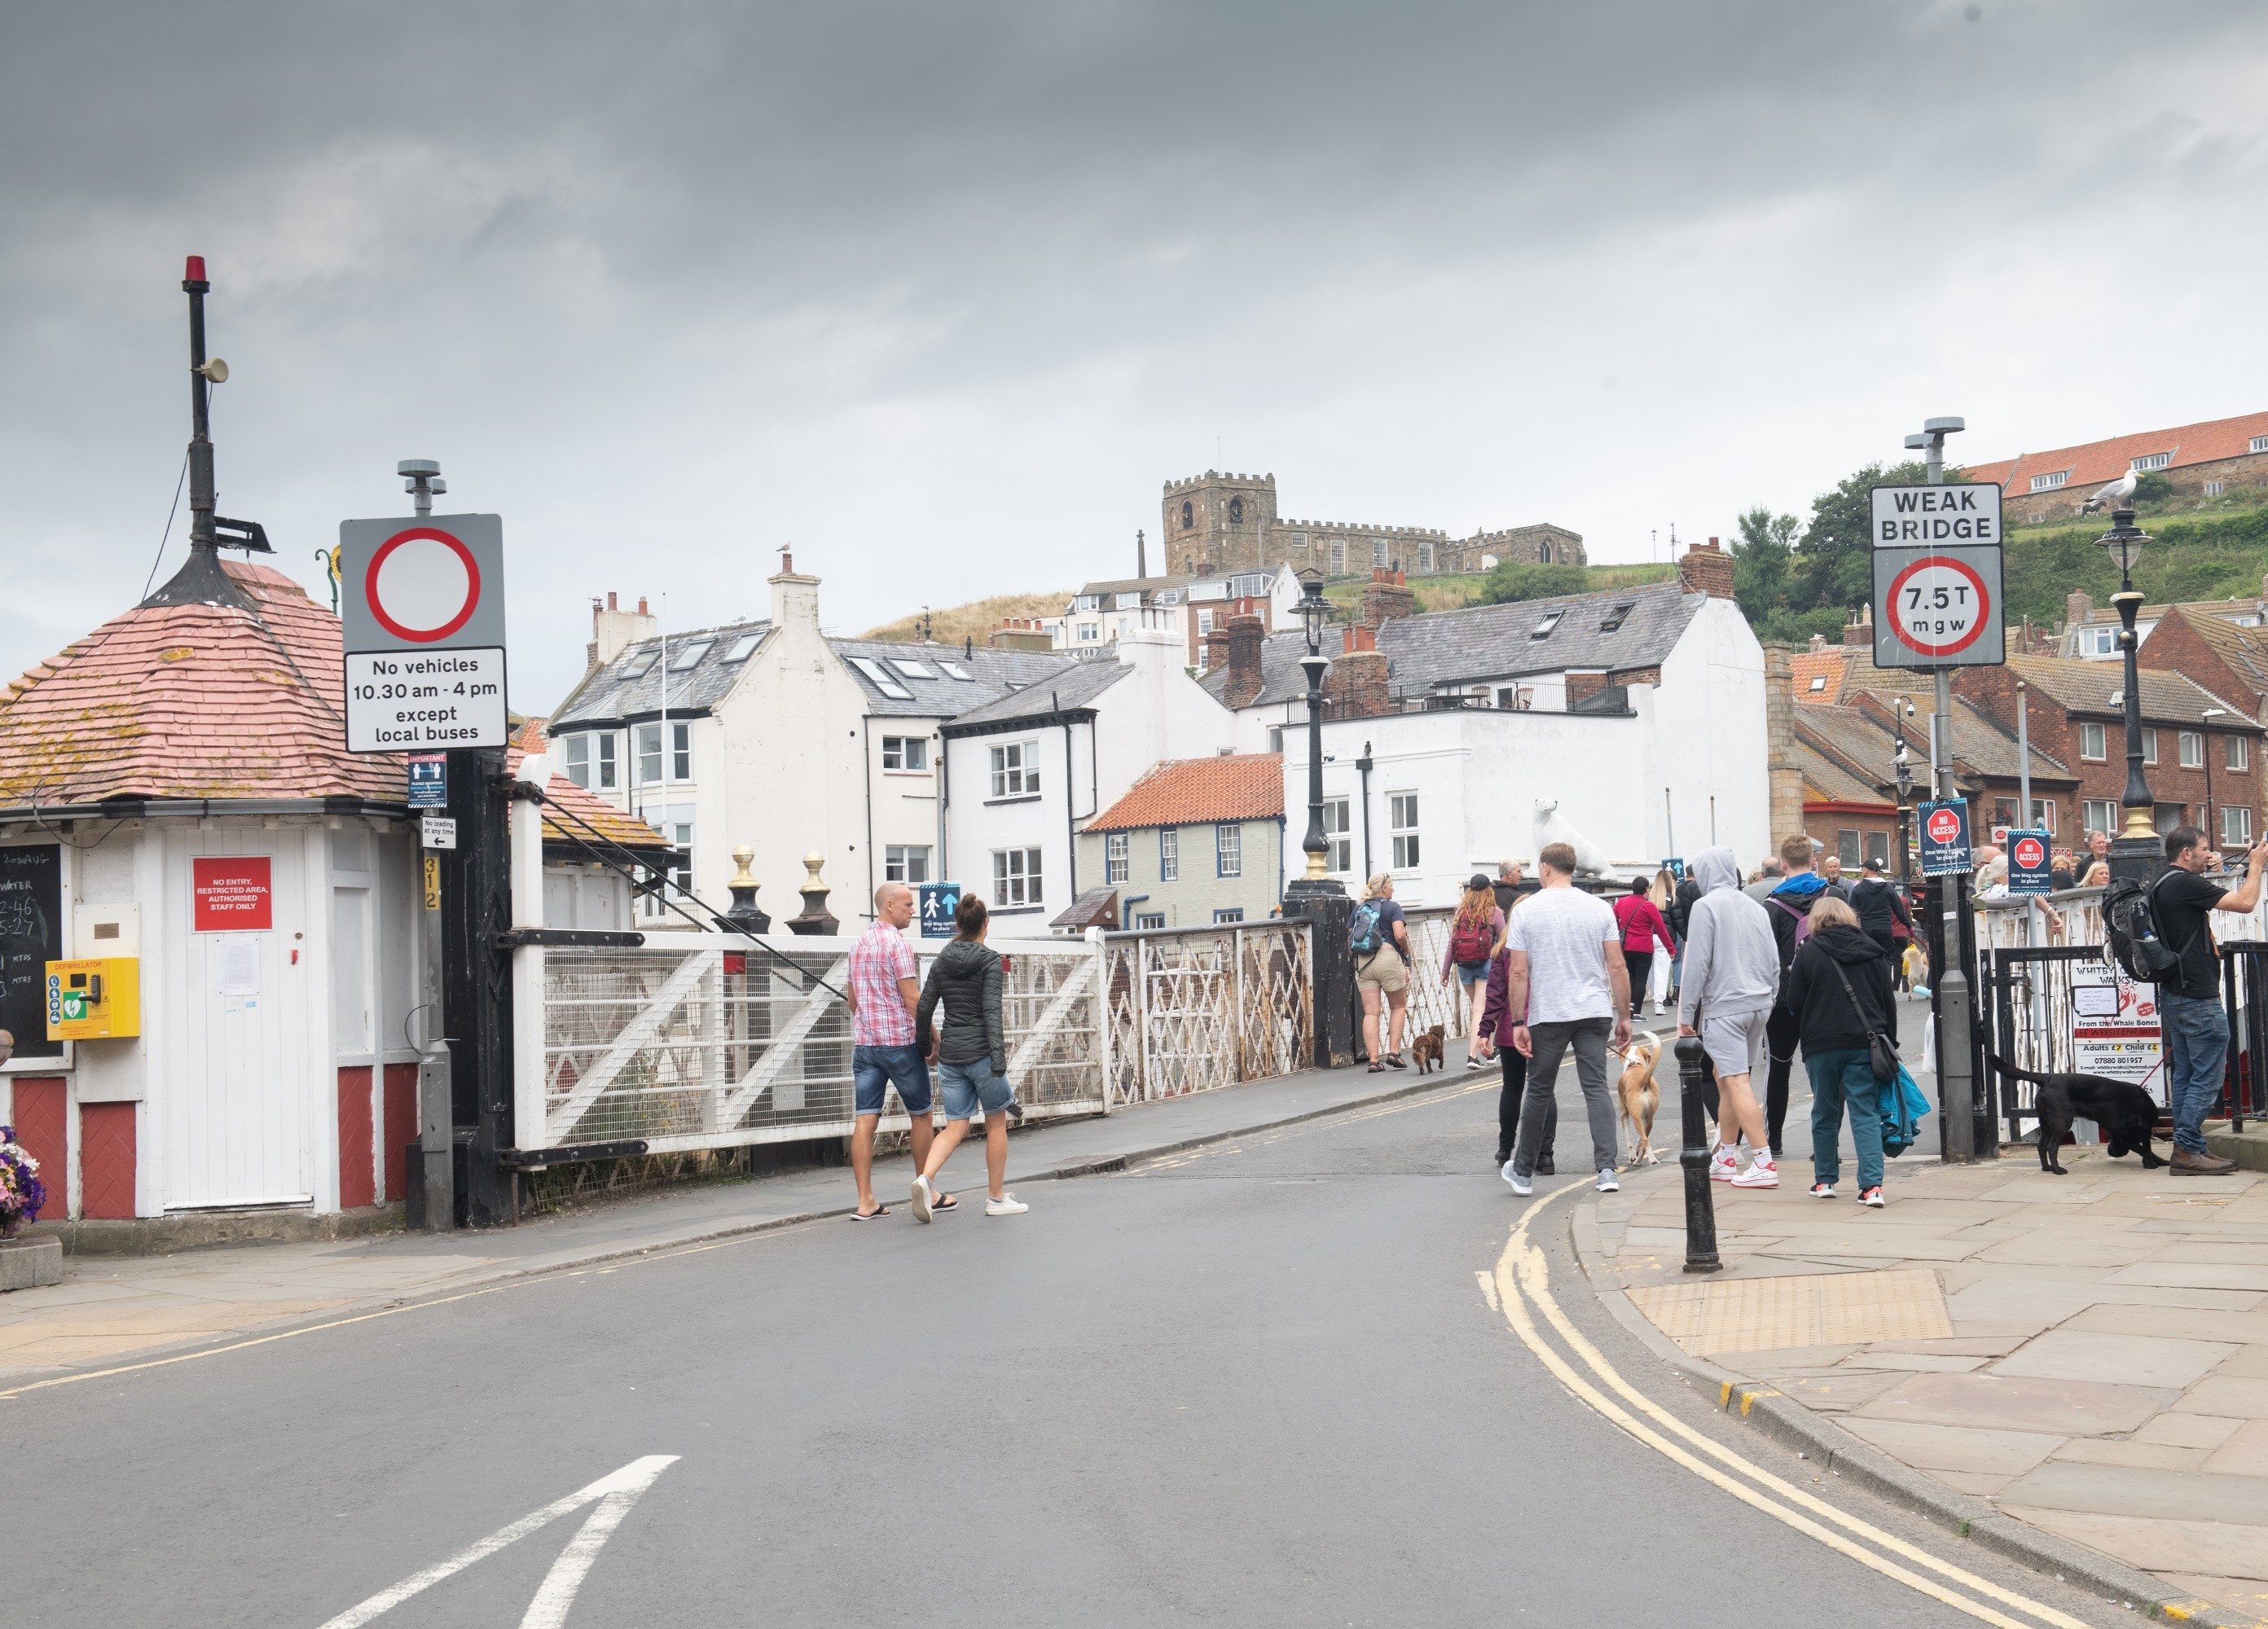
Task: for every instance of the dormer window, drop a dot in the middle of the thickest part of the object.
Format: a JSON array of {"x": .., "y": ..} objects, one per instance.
[
  {"x": 1542, "y": 629},
  {"x": 2149, "y": 461},
  {"x": 2050, "y": 482}
]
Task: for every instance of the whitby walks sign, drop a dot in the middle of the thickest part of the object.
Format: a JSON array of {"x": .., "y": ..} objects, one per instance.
[
  {"x": 422, "y": 609},
  {"x": 1937, "y": 576}
]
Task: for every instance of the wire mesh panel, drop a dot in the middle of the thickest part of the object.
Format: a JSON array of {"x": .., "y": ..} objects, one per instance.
[
  {"x": 1433, "y": 998},
  {"x": 1199, "y": 1008},
  {"x": 695, "y": 1041}
]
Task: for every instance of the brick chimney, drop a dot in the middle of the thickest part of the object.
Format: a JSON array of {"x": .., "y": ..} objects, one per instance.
[
  {"x": 1818, "y": 644},
  {"x": 1243, "y": 636},
  {"x": 1356, "y": 685},
  {"x": 2077, "y": 607},
  {"x": 1385, "y": 595},
  {"x": 1021, "y": 633},
  {"x": 1859, "y": 636},
  {"x": 1707, "y": 569}
]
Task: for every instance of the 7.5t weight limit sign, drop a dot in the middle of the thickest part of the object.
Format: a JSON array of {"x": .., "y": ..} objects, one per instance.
[{"x": 1937, "y": 578}]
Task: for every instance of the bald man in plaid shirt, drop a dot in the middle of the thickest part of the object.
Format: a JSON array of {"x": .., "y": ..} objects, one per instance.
[{"x": 884, "y": 993}]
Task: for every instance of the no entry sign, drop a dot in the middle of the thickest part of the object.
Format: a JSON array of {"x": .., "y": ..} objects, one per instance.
[
  {"x": 1944, "y": 840},
  {"x": 422, "y": 610}
]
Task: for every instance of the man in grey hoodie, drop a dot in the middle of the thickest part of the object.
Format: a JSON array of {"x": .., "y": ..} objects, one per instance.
[{"x": 1731, "y": 982}]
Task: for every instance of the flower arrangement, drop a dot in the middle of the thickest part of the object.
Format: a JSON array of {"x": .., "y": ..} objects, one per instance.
[{"x": 21, "y": 1190}]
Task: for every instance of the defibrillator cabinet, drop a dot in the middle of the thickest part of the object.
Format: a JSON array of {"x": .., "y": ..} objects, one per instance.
[{"x": 96, "y": 998}]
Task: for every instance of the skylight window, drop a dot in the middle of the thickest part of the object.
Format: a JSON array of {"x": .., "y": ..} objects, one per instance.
[
  {"x": 1615, "y": 618},
  {"x": 688, "y": 657},
  {"x": 639, "y": 666},
  {"x": 879, "y": 678},
  {"x": 744, "y": 647},
  {"x": 954, "y": 670},
  {"x": 1820, "y": 683},
  {"x": 912, "y": 669},
  {"x": 1542, "y": 629}
]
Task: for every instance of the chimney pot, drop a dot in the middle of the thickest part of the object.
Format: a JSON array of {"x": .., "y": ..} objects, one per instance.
[
  {"x": 642, "y": 610},
  {"x": 610, "y": 600}
]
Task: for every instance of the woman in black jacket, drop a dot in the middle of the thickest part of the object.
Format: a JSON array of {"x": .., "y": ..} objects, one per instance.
[
  {"x": 971, "y": 1054},
  {"x": 1838, "y": 990}
]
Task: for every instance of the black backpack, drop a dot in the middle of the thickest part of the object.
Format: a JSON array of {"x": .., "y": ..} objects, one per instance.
[{"x": 2129, "y": 923}]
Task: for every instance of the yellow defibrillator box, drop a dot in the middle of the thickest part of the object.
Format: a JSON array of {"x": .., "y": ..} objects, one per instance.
[{"x": 94, "y": 1000}]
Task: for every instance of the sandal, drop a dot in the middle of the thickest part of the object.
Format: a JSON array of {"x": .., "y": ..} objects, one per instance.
[
  {"x": 869, "y": 1215},
  {"x": 944, "y": 1202},
  {"x": 1378, "y": 1068}
]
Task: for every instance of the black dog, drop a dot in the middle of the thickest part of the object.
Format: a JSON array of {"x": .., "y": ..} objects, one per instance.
[{"x": 2125, "y": 1113}]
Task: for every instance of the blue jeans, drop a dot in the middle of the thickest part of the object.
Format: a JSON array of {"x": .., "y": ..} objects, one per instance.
[
  {"x": 967, "y": 1084},
  {"x": 2196, "y": 1046},
  {"x": 1844, "y": 1077},
  {"x": 874, "y": 1069}
]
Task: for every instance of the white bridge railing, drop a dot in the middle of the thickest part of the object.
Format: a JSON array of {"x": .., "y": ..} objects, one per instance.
[
  {"x": 1192, "y": 1008},
  {"x": 698, "y": 1040}
]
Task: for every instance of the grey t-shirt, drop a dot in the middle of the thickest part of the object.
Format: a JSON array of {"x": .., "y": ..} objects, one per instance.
[{"x": 1565, "y": 932}]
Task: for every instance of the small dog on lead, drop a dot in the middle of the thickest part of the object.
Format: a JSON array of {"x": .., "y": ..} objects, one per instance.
[
  {"x": 1639, "y": 1096},
  {"x": 1426, "y": 1049}
]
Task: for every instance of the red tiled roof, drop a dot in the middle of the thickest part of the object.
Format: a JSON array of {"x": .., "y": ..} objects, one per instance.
[
  {"x": 530, "y": 736},
  {"x": 192, "y": 701},
  {"x": 1187, "y": 791},
  {"x": 1832, "y": 665},
  {"x": 572, "y": 812},
  {"x": 2097, "y": 461}
]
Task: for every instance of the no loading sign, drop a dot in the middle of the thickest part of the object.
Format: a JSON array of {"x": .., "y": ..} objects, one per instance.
[{"x": 1938, "y": 608}]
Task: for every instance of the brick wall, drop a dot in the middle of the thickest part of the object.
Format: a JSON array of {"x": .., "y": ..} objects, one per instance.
[
  {"x": 1243, "y": 637},
  {"x": 2174, "y": 647},
  {"x": 1356, "y": 685},
  {"x": 1707, "y": 569},
  {"x": 1387, "y": 595}
]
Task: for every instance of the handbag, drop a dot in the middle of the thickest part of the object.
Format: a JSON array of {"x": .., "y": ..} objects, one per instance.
[{"x": 1881, "y": 1057}]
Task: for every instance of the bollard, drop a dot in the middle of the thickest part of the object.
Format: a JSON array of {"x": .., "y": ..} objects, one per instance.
[{"x": 1700, "y": 1204}]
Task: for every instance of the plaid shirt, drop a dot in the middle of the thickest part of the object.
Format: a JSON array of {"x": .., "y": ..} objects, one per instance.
[{"x": 878, "y": 961}]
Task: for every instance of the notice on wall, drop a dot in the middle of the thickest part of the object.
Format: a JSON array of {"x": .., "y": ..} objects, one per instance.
[
  {"x": 2114, "y": 1028},
  {"x": 229, "y": 893},
  {"x": 31, "y": 937},
  {"x": 236, "y": 966}
]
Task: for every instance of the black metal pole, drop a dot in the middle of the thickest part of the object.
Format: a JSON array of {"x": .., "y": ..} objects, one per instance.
[
  {"x": 476, "y": 983},
  {"x": 1700, "y": 1203},
  {"x": 1316, "y": 846},
  {"x": 202, "y": 501}
]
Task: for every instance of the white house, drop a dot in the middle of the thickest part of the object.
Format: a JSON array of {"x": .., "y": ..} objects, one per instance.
[
  {"x": 773, "y": 735},
  {"x": 1023, "y": 774},
  {"x": 1638, "y": 713},
  {"x": 1188, "y": 605}
]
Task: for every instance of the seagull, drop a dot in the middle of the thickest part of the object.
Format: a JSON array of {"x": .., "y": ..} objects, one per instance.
[{"x": 2115, "y": 491}]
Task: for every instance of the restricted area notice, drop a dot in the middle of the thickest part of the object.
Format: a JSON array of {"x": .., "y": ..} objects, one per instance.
[{"x": 406, "y": 700}]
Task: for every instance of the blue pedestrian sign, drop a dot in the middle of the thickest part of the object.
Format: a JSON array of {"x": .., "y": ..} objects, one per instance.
[
  {"x": 939, "y": 902},
  {"x": 2027, "y": 863},
  {"x": 1944, "y": 840},
  {"x": 429, "y": 781}
]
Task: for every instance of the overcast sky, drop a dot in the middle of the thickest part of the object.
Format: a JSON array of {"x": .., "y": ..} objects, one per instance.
[{"x": 942, "y": 294}]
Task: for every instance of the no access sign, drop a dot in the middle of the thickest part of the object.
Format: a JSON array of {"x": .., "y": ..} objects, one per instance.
[{"x": 422, "y": 610}]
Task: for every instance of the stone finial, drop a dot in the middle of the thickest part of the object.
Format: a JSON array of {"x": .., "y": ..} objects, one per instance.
[
  {"x": 744, "y": 917},
  {"x": 814, "y": 919}
]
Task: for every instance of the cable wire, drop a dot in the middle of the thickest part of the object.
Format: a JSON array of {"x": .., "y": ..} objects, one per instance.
[{"x": 167, "y": 535}]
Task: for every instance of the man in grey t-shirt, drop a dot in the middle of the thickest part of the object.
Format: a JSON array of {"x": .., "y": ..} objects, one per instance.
[{"x": 1567, "y": 981}]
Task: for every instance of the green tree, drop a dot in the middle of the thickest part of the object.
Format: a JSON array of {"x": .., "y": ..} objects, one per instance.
[
  {"x": 1515, "y": 579},
  {"x": 1764, "y": 558},
  {"x": 1835, "y": 554}
]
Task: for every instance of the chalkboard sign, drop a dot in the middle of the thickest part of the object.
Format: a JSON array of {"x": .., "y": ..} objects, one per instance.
[{"x": 31, "y": 937}]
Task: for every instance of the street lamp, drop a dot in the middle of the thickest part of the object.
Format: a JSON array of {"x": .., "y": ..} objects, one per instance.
[
  {"x": 1902, "y": 764},
  {"x": 1313, "y": 612},
  {"x": 2135, "y": 854},
  {"x": 2205, "y": 745}
]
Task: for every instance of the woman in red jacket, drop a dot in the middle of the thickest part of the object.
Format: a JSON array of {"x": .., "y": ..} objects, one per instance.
[{"x": 1642, "y": 929}]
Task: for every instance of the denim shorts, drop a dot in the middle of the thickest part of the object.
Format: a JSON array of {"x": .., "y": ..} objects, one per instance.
[
  {"x": 873, "y": 1070},
  {"x": 967, "y": 1084},
  {"x": 1469, "y": 973}
]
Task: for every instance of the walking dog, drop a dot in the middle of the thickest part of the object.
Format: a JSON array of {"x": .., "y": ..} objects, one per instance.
[
  {"x": 1639, "y": 1096},
  {"x": 1426, "y": 1049},
  {"x": 2123, "y": 1110}
]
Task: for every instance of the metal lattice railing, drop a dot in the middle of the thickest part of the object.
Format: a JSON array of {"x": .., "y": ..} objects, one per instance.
[
  {"x": 1194, "y": 1008},
  {"x": 698, "y": 1040}
]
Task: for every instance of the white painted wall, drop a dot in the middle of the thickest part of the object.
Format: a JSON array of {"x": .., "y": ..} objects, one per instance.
[{"x": 977, "y": 824}]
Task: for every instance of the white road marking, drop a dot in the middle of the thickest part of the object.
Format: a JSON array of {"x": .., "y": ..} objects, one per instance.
[{"x": 614, "y": 1493}]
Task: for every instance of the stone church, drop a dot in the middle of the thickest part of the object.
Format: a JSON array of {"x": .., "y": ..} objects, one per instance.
[{"x": 1217, "y": 522}]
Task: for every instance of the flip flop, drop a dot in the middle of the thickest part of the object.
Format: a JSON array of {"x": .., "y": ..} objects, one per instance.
[
  {"x": 879, "y": 1210},
  {"x": 947, "y": 1203}
]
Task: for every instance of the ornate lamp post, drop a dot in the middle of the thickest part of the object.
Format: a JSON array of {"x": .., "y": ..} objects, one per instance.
[
  {"x": 1317, "y": 896},
  {"x": 1317, "y": 844},
  {"x": 1901, "y": 764},
  {"x": 2204, "y": 737},
  {"x": 2136, "y": 852}
]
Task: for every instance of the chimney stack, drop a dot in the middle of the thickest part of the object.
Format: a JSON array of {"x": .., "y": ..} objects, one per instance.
[
  {"x": 1356, "y": 686},
  {"x": 1385, "y": 596},
  {"x": 1245, "y": 635},
  {"x": 1859, "y": 636},
  {"x": 2077, "y": 607},
  {"x": 1707, "y": 569}
]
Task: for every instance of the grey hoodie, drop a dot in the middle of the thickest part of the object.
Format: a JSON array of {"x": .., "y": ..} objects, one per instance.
[{"x": 1731, "y": 960}]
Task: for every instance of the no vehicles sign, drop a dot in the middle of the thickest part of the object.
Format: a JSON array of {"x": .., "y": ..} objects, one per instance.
[{"x": 422, "y": 610}]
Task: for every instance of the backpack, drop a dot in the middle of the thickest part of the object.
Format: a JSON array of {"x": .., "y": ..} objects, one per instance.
[
  {"x": 1363, "y": 931},
  {"x": 1802, "y": 925},
  {"x": 1472, "y": 941},
  {"x": 2130, "y": 924}
]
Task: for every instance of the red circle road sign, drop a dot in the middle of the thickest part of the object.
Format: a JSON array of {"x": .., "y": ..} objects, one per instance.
[
  {"x": 430, "y": 601},
  {"x": 1949, "y": 606},
  {"x": 1944, "y": 826},
  {"x": 2031, "y": 853}
]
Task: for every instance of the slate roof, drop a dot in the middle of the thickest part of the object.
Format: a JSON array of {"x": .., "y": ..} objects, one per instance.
[
  {"x": 992, "y": 675},
  {"x": 1442, "y": 648},
  {"x": 1097, "y": 907},
  {"x": 1851, "y": 747},
  {"x": 2093, "y": 463},
  {"x": 2245, "y": 650},
  {"x": 1192, "y": 791},
  {"x": 193, "y": 700},
  {"x": 2087, "y": 687},
  {"x": 1072, "y": 685},
  {"x": 612, "y": 695}
]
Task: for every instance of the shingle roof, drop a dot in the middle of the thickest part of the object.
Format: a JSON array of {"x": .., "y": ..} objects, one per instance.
[
  {"x": 1857, "y": 744},
  {"x": 992, "y": 675},
  {"x": 2092, "y": 463},
  {"x": 1189, "y": 792},
  {"x": 572, "y": 814},
  {"x": 2245, "y": 650},
  {"x": 1808, "y": 667},
  {"x": 1441, "y": 648},
  {"x": 2087, "y": 687},
  {"x": 1072, "y": 685},
  {"x": 1097, "y": 907},
  {"x": 613, "y": 694},
  {"x": 193, "y": 700}
]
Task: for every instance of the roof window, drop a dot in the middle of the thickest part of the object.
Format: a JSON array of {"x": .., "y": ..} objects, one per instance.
[
  {"x": 1618, "y": 616},
  {"x": 688, "y": 657},
  {"x": 744, "y": 647},
  {"x": 912, "y": 669},
  {"x": 954, "y": 670},
  {"x": 638, "y": 664},
  {"x": 879, "y": 678},
  {"x": 1542, "y": 629},
  {"x": 1819, "y": 683}
]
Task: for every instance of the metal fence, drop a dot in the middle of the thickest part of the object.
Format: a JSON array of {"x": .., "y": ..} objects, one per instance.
[
  {"x": 1193, "y": 1009},
  {"x": 698, "y": 1040}
]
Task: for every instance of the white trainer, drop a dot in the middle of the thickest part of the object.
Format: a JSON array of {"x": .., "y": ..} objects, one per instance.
[
  {"x": 1724, "y": 1165},
  {"x": 1520, "y": 1184},
  {"x": 922, "y": 1196},
  {"x": 1007, "y": 1205},
  {"x": 1608, "y": 1183},
  {"x": 1761, "y": 1173}
]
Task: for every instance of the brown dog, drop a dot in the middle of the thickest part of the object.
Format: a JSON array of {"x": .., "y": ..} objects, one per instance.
[
  {"x": 1639, "y": 1096},
  {"x": 1426, "y": 1049}
]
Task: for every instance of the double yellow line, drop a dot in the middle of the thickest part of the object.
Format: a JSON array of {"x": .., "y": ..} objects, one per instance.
[{"x": 1521, "y": 1289}]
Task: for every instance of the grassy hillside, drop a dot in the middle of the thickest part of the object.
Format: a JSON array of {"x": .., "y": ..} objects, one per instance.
[
  {"x": 1449, "y": 593},
  {"x": 2198, "y": 549},
  {"x": 977, "y": 619}
]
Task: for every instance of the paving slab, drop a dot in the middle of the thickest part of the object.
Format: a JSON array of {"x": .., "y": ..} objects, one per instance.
[
  {"x": 2228, "y": 1395},
  {"x": 2126, "y": 1450},
  {"x": 2188, "y": 1430},
  {"x": 2136, "y": 1490},
  {"x": 2243, "y": 1453},
  {"x": 1957, "y": 1447},
  {"x": 2156, "y": 1545},
  {"x": 2132, "y": 1360},
  {"x": 2065, "y": 1407}
]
